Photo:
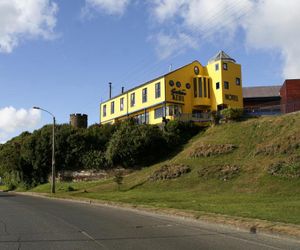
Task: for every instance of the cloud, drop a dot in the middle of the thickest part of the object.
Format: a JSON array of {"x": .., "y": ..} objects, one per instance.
[
  {"x": 166, "y": 10},
  {"x": 202, "y": 17},
  {"x": 274, "y": 25},
  {"x": 270, "y": 25},
  {"x": 13, "y": 120},
  {"x": 172, "y": 45},
  {"x": 111, "y": 7},
  {"x": 21, "y": 19}
]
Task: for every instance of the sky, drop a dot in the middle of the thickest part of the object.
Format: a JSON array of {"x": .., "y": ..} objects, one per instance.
[{"x": 61, "y": 54}]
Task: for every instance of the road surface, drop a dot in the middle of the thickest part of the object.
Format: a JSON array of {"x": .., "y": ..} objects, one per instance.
[{"x": 39, "y": 223}]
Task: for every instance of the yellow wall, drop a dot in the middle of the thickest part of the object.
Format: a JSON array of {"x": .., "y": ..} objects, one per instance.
[
  {"x": 234, "y": 70},
  {"x": 139, "y": 105},
  {"x": 110, "y": 117},
  {"x": 185, "y": 76},
  {"x": 229, "y": 75},
  {"x": 151, "y": 100}
]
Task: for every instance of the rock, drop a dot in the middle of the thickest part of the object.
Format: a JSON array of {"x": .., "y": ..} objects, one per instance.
[
  {"x": 206, "y": 150},
  {"x": 170, "y": 172},
  {"x": 221, "y": 172}
]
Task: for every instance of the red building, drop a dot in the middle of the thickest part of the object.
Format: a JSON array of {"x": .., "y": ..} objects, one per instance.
[{"x": 290, "y": 96}]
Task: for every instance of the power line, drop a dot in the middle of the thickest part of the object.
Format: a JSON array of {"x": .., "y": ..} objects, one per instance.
[{"x": 206, "y": 29}]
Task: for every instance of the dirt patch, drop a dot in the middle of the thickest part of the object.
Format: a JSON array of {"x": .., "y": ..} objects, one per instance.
[
  {"x": 221, "y": 172},
  {"x": 289, "y": 168},
  {"x": 206, "y": 150},
  {"x": 286, "y": 145},
  {"x": 170, "y": 172}
]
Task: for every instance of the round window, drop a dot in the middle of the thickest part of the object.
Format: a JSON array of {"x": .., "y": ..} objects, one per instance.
[
  {"x": 171, "y": 83},
  {"x": 178, "y": 84},
  {"x": 188, "y": 86},
  {"x": 196, "y": 70}
]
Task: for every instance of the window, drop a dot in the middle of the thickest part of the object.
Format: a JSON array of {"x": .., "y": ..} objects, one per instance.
[
  {"x": 217, "y": 67},
  {"x": 200, "y": 86},
  {"x": 177, "y": 110},
  {"x": 217, "y": 85},
  {"x": 144, "y": 95},
  {"x": 204, "y": 84},
  {"x": 158, "y": 113},
  {"x": 132, "y": 99},
  {"x": 226, "y": 85},
  {"x": 195, "y": 87},
  {"x": 142, "y": 118},
  {"x": 122, "y": 104},
  {"x": 208, "y": 88},
  {"x": 157, "y": 90},
  {"x": 112, "y": 107},
  {"x": 238, "y": 81},
  {"x": 104, "y": 110},
  {"x": 174, "y": 110},
  {"x": 225, "y": 66}
]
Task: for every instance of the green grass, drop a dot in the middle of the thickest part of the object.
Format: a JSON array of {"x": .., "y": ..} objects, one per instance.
[
  {"x": 254, "y": 193},
  {"x": 3, "y": 188}
]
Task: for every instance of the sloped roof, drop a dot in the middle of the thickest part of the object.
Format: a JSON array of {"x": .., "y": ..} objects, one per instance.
[
  {"x": 145, "y": 83},
  {"x": 221, "y": 56},
  {"x": 262, "y": 91}
]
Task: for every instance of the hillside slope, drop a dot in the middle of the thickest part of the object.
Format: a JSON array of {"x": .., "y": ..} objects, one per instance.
[{"x": 248, "y": 169}]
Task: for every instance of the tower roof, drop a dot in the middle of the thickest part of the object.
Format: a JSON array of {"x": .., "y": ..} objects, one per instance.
[{"x": 221, "y": 56}]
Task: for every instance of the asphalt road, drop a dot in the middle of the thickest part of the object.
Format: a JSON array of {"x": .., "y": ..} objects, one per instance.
[{"x": 39, "y": 223}]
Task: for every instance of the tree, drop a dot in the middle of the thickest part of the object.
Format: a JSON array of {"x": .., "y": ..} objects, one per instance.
[{"x": 134, "y": 145}]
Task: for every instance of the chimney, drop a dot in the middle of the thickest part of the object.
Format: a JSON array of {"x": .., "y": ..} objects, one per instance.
[
  {"x": 109, "y": 90},
  {"x": 122, "y": 90}
]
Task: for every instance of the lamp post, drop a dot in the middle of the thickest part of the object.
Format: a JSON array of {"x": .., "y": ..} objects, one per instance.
[{"x": 53, "y": 149}]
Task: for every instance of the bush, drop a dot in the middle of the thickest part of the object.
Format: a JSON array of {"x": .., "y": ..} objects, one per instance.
[
  {"x": 70, "y": 189},
  {"x": 134, "y": 145},
  {"x": 178, "y": 132},
  {"x": 215, "y": 118},
  {"x": 26, "y": 159},
  {"x": 231, "y": 114},
  {"x": 95, "y": 160},
  {"x": 118, "y": 178}
]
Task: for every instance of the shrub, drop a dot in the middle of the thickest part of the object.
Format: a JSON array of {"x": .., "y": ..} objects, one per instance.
[
  {"x": 70, "y": 189},
  {"x": 118, "y": 178},
  {"x": 231, "y": 114},
  {"x": 135, "y": 145},
  {"x": 215, "y": 118},
  {"x": 178, "y": 132},
  {"x": 94, "y": 160}
]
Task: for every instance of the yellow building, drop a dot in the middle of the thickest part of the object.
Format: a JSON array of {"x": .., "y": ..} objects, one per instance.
[{"x": 187, "y": 93}]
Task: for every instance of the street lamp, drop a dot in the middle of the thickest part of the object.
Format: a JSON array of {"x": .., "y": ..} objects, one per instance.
[{"x": 53, "y": 149}]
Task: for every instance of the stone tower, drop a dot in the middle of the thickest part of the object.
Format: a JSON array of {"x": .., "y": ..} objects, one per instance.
[{"x": 79, "y": 120}]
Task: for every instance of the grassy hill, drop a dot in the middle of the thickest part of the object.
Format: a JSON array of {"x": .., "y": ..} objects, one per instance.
[{"x": 247, "y": 169}]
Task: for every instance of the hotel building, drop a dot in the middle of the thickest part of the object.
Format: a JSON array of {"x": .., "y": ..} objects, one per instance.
[{"x": 187, "y": 93}]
